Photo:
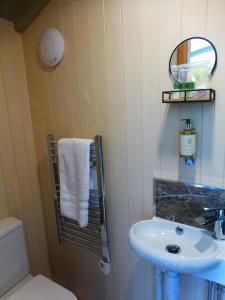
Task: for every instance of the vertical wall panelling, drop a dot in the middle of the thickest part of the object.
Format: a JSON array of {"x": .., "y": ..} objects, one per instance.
[
  {"x": 7, "y": 156},
  {"x": 70, "y": 88},
  {"x": 194, "y": 26},
  {"x": 134, "y": 138},
  {"x": 29, "y": 160},
  {"x": 18, "y": 158},
  {"x": 115, "y": 82},
  {"x": 10, "y": 66},
  {"x": 213, "y": 142},
  {"x": 110, "y": 82},
  {"x": 149, "y": 22},
  {"x": 170, "y": 36},
  {"x": 4, "y": 212},
  {"x": 133, "y": 105},
  {"x": 60, "y": 109},
  {"x": 88, "y": 112},
  {"x": 100, "y": 94},
  {"x": 85, "y": 68},
  {"x": 41, "y": 121}
]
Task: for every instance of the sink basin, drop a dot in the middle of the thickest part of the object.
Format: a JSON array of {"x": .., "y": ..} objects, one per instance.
[{"x": 174, "y": 246}]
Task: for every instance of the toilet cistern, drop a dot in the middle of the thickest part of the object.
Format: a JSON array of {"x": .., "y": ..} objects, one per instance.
[{"x": 15, "y": 281}]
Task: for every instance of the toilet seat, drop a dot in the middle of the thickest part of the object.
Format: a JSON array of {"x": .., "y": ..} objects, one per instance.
[{"x": 41, "y": 288}]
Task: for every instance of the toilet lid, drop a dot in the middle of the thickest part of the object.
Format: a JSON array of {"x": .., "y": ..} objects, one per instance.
[{"x": 41, "y": 288}]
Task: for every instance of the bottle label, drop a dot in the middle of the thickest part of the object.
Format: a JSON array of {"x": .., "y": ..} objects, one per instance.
[{"x": 187, "y": 145}]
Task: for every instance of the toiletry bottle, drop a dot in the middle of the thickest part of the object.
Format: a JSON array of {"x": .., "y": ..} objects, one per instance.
[
  {"x": 187, "y": 140},
  {"x": 182, "y": 77},
  {"x": 190, "y": 84},
  {"x": 176, "y": 93}
]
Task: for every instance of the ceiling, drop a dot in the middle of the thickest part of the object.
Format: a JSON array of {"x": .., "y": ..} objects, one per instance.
[{"x": 21, "y": 12}]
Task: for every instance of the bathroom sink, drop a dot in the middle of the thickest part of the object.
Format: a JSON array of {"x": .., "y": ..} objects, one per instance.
[{"x": 174, "y": 246}]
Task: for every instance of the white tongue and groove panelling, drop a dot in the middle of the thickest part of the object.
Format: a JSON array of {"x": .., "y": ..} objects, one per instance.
[
  {"x": 110, "y": 82},
  {"x": 19, "y": 187}
]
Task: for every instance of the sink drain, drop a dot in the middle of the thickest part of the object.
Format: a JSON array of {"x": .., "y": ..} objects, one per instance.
[{"x": 174, "y": 249}]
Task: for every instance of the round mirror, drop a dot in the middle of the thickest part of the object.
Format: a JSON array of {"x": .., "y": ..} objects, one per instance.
[{"x": 193, "y": 60}]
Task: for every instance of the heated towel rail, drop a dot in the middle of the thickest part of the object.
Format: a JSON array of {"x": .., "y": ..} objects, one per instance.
[{"x": 95, "y": 236}]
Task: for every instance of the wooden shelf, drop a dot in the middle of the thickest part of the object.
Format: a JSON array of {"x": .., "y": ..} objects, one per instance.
[{"x": 184, "y": 96}]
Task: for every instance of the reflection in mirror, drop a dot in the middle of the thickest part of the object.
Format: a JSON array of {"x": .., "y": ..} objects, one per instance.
[{"x": 193, "y": 61}]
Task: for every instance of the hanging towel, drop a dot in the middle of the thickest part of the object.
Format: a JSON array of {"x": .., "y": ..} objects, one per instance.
[{"x": 74, "y": 173}]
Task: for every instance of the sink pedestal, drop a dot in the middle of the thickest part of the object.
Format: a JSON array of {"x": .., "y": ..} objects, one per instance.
[
  {"x": 159, "y": 283},
  {"x": 172, "y": 281}
]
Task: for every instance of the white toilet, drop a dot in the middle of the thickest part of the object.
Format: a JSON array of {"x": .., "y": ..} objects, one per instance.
[{"x": 15, "y": 281}]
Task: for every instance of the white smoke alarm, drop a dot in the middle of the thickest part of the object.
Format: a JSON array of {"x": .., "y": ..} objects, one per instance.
[{"x": 51, "y": 47}]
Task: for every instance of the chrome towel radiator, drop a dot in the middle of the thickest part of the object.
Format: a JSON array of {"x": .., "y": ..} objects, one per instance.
[{"x": 95, "y": 236}]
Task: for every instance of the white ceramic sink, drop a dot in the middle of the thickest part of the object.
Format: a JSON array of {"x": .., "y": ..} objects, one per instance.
[{"x": 198, "y": 250}]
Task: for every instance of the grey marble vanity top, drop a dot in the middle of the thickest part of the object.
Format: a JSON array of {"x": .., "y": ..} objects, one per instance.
[{"x": 182, "y": 202}]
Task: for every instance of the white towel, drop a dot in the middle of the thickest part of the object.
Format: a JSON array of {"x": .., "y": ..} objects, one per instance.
[{"x": 74, "y": 172}]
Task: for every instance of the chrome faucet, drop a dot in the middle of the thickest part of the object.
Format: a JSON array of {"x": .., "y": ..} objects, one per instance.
[{"x": 218, "y": 220}]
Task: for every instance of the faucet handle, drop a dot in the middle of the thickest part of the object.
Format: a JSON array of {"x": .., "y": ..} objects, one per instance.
[
  {"x": 215, "y": 206},
  {"x": 219, "y": 219}
]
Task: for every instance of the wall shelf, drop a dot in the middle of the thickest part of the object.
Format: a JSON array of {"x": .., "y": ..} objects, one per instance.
[{"x": 189, "y": 96}]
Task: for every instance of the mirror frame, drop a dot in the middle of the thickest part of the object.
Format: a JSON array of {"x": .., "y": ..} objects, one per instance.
[{"x": 190, "y": 38}]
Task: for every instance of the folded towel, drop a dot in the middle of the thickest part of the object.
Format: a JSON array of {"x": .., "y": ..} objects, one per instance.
[{"x": 74, "y": 172}]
